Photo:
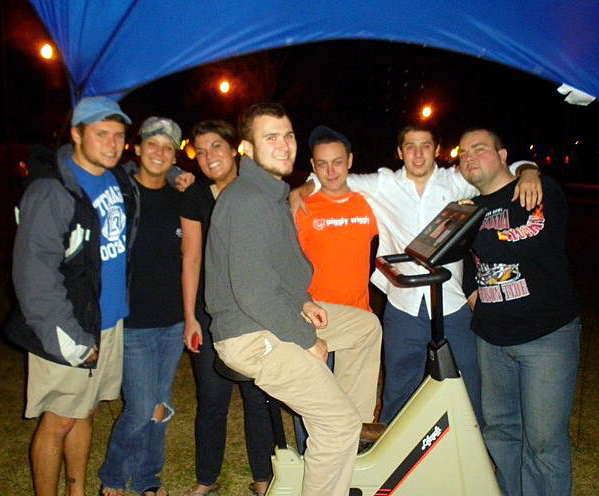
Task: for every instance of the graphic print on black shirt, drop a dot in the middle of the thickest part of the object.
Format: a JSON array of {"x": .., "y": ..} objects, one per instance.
[{"x": 504, "y": 281}]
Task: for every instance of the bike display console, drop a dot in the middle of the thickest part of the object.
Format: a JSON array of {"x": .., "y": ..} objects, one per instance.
[{"x": 448, "y": 236}]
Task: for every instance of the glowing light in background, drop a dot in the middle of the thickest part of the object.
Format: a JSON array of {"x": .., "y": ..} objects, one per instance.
[
  {"x": 240, "y": 149},
  {"x": 454, "y": 152},
  {"x": 23, "y": 169},
  {"x": 426, "y": 112},
  {"x": 224, "y": 86},
  {"x": 189, "y": 150},
  {"x": 46, "y": 51}
]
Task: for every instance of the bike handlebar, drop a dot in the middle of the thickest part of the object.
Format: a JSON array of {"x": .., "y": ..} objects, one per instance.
[{"x": 436, "y": 275}]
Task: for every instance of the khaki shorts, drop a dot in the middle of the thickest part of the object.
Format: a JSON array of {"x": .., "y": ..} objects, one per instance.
[{"x": 70, "y": 391}]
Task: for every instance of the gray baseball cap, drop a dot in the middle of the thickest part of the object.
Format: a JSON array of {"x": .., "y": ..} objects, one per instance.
[
  {"x": 161, "y": 125},
  {"x": 96, "y": 108}
]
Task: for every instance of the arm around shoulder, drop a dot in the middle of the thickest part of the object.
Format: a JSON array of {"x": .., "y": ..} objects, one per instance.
[
  {"x": 368, "y": 183},
  {"x": 297, "y": 195},
  {"x": 529, "y": 189}
]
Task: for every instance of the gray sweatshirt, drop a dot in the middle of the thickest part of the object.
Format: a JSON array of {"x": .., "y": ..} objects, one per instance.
[{"x": 257, "y": 276}]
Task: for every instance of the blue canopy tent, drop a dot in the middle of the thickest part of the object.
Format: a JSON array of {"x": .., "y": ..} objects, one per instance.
[{"x": 112, "y": 47}]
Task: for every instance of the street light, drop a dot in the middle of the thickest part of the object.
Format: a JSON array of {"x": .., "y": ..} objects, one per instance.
[
  {"x": 426, "y": 112},
  {"x": 224, "y": 86},
  {"x": 46, "y": 51}
]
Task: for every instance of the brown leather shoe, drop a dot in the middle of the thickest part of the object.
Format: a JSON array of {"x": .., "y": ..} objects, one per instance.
[{"x": 371, "y": 432}]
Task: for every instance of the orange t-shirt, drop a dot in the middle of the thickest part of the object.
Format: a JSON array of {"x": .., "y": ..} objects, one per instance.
[{"x": 336, "y": 236}]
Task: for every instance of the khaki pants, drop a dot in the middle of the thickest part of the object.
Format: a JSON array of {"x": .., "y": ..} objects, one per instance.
[
  {"x": 332, "y": 408},
  {"x": 74, "y": 392}
]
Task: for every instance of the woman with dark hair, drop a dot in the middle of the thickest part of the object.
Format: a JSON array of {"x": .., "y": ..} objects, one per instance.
[{"x": 215, "y": 145}]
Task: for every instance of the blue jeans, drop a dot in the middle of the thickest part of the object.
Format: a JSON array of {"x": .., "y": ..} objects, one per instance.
[
  {"x": 135, "y": 451},
  {"x": 527, "y": 394},
  {"x": 213, "y": 394},
  {"x": 405, "y": 340}
]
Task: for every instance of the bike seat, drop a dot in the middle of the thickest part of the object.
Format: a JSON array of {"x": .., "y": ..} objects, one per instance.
[{"x": 227, "y": 372}]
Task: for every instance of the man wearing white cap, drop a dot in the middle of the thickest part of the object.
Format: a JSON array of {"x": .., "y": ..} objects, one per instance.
[{"x": 70, "y": 260}]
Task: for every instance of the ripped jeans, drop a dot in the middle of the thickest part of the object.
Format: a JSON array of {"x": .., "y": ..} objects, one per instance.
[{"x": 136, "y": 449}]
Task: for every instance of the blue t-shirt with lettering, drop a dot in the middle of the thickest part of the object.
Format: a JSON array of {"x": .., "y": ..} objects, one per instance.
[{"x": 106, "y": 197}]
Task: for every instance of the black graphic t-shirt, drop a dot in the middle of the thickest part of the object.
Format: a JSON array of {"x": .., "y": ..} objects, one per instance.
[{"x": 520, "y": 268}]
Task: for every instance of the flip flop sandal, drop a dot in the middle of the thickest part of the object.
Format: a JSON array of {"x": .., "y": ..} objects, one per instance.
[
  {"x": 203, "y": 492},
  {"x": 254, "y": 490},
  {"x": 117, "y": 492},
  {"x": 155, "y": 491}
]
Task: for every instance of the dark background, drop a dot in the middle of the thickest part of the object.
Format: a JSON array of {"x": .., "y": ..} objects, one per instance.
[{"x": 367, "y": 89}]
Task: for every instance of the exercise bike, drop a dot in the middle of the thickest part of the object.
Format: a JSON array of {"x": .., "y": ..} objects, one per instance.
[{"x": 434, "y": 445}]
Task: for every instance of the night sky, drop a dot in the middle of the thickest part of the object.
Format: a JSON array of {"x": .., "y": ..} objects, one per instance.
[{"x": 366, "y": 89}]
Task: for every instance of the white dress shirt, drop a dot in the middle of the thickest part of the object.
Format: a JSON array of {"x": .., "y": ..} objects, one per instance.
[{"x": 401, "y": 214}]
